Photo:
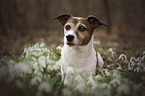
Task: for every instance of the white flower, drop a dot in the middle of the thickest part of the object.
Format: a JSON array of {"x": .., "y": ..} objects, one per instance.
[
  {"x": 35, "y": 65},
  {"x": 42, "y": 61},
  {"x": 107, "y": 73},
  {"x": 111, "y": 51},
  {"x": 115, "y": 82},
  {"x": 100, "y": 60},
  {"x": 143, "y": 57},
  {"x": 139, "y": 59},
  {"x": 33, "y": 58},
  {"x": 92, "y": 82},
  {"x": 59, "y": 48},
  {"x": 97, "y": 42},
  {"x": 49, "y": 68},
  {"x": 22, "y": 68},
  {"x": 132, "y": 59},
  {"x": 122, "y": 57},
  {"x": 98, "y": 77},
  {"x": 80, "y": 87},
  {"x": 143, "y": 52},
  {"x": 123, "y": 89},
  {"x": 69, "y": 70},
  {"x": 35, "y": 80},
  {"x": 137, "y": 69},
  {"x": 56, "y": 67},
  {"x": 42, "y": 45},
  {"x": 39, "y": 74},
  {"x": 78, "y": 78},
  {"x": 44, "y": 86},
  {"x": 11, "y": 62}
]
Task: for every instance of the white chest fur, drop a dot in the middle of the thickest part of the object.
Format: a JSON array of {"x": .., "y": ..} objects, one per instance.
[{"x": 82, "y": 58}]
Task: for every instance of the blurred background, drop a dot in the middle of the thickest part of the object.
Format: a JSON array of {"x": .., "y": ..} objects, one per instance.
[{"x": 24, "y": 22}]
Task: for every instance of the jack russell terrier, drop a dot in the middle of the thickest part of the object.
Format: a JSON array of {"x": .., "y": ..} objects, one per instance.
[{"x": 78, "y": 50}]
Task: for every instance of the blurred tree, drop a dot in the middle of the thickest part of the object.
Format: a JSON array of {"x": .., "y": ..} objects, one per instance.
[{"x": 21, "y": 16}]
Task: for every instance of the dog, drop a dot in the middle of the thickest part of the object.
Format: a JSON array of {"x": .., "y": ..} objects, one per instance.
[{"x": 78, "y": 50}]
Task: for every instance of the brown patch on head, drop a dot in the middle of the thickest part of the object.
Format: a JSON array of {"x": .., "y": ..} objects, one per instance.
[{"x": 81, "y": 28}]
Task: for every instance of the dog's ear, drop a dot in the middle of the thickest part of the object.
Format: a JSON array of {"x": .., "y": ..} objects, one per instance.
[
  {"x": 95, "y": 22},
  {"x": 63, "y": 18}
]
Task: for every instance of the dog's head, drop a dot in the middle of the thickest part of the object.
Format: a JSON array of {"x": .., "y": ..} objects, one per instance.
[{"x": 77, "y": 30}]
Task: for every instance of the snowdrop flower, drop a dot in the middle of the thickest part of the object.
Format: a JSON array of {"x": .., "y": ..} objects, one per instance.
[
  {"x": 39, "y": 74},
  {"x": 11, "y": 62},
  {"x": 42, "y": 45},
  {"x": 130, "y": 67},
  {"x": 50, "y": 61},
  {"x": 44, "y": 86},
  {"x": 56, "y": 67},
  {"x": 92, "y": 82},
  {"x": 33, "y": 58},
  {"x": 132, "y": 59},
  {"x": 115, "y": 82},
  {"x": 78, "y": 78},
  {"x": 69, "y": 70},
  {"x": 143, "y": 57},
  {"x": 100, "y": 60},
  {"x": 107, "y": 73},
  {"x": 143, "y": 52},
  {"x": 80, "y": 87},
  {"x": 137, "y": 69},
  {"x": 49, "y": 68},
  {"x": 59, "y": 48},
  {"x": 35, "y": 80},
  {"x": 123, "y": 89},
  {"x": 25, "y": 50},
  {"x": 97, "y": 42},
  {"x": 111, "y": 50},
  {"x": 98, "y": 77},
  {"x": 41, "y": 61},
  {"x": 122, "y": 57},
  {"x": 35, "y": 65},
  {"x": 22, "y": 68},
  {"x": 139, "y": 59}
]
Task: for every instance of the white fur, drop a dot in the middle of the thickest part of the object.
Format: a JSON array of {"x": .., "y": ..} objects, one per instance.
[{"x": 81, "y": 58}]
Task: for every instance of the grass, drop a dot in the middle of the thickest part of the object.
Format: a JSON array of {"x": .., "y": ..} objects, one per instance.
[{"x": 37, "y": 72}]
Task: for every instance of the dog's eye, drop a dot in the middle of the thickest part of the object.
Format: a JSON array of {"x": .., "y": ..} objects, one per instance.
[
  {"x": 81, "y": 28},
  {"x": 67, "y": 27}
]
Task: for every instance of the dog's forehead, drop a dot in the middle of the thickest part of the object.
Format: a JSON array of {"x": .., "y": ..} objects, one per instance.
[{"x": 76, "y": 20}]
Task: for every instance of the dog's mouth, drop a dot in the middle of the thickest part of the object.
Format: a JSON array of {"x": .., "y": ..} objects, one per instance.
[{"x": 70, "y": 44}]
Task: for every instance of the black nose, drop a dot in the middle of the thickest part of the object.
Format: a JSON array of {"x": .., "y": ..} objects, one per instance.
[{"x": 70, "y": 37}]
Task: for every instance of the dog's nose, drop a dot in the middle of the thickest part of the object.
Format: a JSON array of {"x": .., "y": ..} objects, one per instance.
[{"x": 70, "y": 37}]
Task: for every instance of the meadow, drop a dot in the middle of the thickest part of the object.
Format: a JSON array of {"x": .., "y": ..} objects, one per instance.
[{"x": 36, "y": 72}]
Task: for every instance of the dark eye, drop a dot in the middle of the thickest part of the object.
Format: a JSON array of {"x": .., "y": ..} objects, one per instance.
[
  {"x": 81, "y": 28},
  {"x": 67, "y": 27}
]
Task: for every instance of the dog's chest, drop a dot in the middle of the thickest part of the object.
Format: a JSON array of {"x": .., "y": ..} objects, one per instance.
[{"x": 82, "y": 59}]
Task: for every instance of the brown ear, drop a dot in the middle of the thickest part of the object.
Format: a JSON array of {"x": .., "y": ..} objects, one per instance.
[
  {"x": 63, "y": 18},
  {"x": 95, "y": 22}
]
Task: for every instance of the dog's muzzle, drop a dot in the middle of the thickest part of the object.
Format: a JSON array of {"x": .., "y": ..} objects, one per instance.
[{"x": 70, "y": 39}]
